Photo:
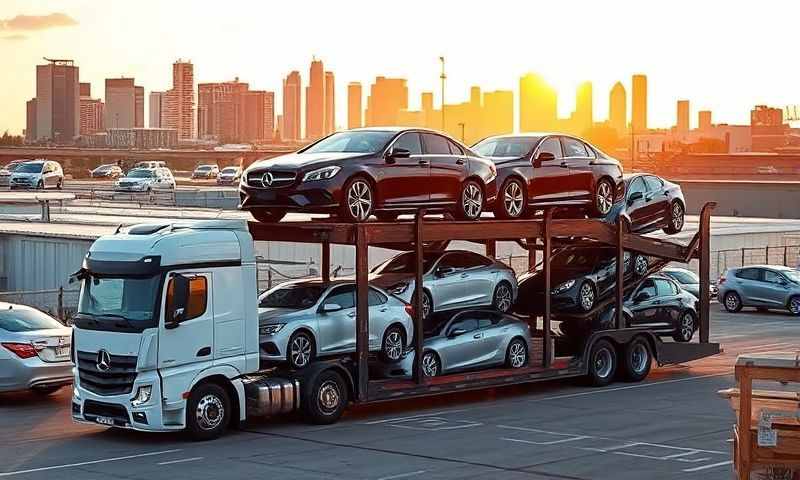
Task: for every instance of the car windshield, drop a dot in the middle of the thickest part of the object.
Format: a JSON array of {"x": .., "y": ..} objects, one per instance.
[
  {"x": 684, "y": 277},
  {"x": 141, "y": 173},
  {"x": 103, "y": 168},
  {"x": 30, "y": 168},
  {"x": 575, "y": 259},
  {"x": 130, "y": 298},
  {"x": 363, "y": 141},
  {"x": 404, "y": 263},
  {"x": 296, "y": 297},
  {"x": 26, "y": 320},
  {"x": 230, "y": 169},
  {"x": 204, "y": 167},
  {"x": 505, "y": 147},
  {"x": 793, "y": 275}
]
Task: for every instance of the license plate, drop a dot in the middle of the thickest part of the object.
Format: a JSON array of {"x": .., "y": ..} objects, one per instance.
[
  {"x": 62, "y": 351},
  {"x": 104, "y": 421}
]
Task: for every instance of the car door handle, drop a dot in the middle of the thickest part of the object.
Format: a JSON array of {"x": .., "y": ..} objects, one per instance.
[
  {"x": 424, "y": 162},
  {"x": 460, "y": 161},
  {"x": 464, "y": 275},
  {"x": 564, "y": 165},
  {"x": 383, "y": 309},
  {"x": 477, "y": 336},
  {"x": 351, "y": 314}
]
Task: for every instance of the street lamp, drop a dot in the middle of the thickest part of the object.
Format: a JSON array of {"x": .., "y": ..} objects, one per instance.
[
  {"x": 443, "y": 77},
  {"x": 462, "y": 124}
]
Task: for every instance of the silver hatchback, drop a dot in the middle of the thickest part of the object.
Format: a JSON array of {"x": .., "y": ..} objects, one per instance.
[
  {"x": 34, "y": 351},
  {"x": 761, "y": 286},
  {"x": 452, "y": 279},
  {"x": 303, "y": 320}
]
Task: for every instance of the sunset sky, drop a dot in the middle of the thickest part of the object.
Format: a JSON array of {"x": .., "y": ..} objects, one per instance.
[{"x": 721, "y": 55}]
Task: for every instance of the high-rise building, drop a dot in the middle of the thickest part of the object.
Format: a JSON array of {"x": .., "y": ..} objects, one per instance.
[
  {"x": 315, "y": 101},
  {"x": 85, "y": 89},
  {"x": 330, "y": 104},
  {"x": 139, "y": 107},
  {"x": 291, "y": 107},
  {"x": 682, "y": 125},
  {"x": 252, "y": 116},
  {"x": 704, "y": 120},
  {"x": 354, "y": 96},
  {"x": 57, "y": 101},
  {"x": 538, "y": 104},
  {"x": 387, "y": 97},
  {"x": 218, "y": 110},
  {"x": 92, "y": 111},
  {"x": 156, "y": 105},
  {"x": 30, "y": 120},
  {"x": 618, "y": 109},
  {"x": 639, "y": 104},
  {"x": 269, "y": 115},
  {"x": 120, "y": 103},
  {"x": 583, "y": 117},
  {"x": 178, "y": 110},
  {"x": 498, "y": 112}
]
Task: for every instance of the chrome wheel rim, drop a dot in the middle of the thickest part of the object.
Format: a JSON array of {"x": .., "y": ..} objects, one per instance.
[
  {"x": 640, "y": 357},
  {"x": 587, "y": 296},
  {"x": 677, "y": 216},
  {"x": 394, "y": 345},
  {"x": 513, "y": 200},
  {"x": 687, "y": 326},
  {"x": 209, "y": 412},
  {"x": 794, "y": 306},
  {"x": 430, "y": 367},
  {"x": 641, "y": 265},
  {"x": 426, "y": 306},
  {"x": 517, "y": 355},
  {"x": 603, "y": 362},
  {"x": 503, "y": 298},
  {"x": 472, "y": 201},
  {"x": 329, "y": 397},
  {"x": 731, "y": 302},
  {"x": 300, "y": 351},
  {"x": 605, "y": 198},
  {"x": 359, "y": 200}
]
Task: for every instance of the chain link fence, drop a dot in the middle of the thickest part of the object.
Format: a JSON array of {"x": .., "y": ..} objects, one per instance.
[{"x": 59, "y": 303}]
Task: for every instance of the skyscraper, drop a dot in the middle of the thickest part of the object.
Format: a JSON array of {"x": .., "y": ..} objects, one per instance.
[
  {"x": 57, "y": 101},
  {"x": 139, "y": 107},
  {"x": 156, "y": 105},
  {"x": 639, "y": 104},
  {"x": 92, "y": 111},
  {"x": 291, "y": 107},
  {"x": 704, "y": 120},
  {"x": 584, "y": 115},
  {"x": 269, "y": 115},
  {"x": 387, "y": 97},
  {"x": 120, "y": 103},
  {"x": 354, "y": 96},
  {"x": 218, "y": 110},
  {"x": 178, "y": 113},
  {"x": 315, "y": 101},
  {"x": 330, "y": 104},
  {"x": 618, "y": 109},
  {"x": 538, "y": 104},
  {"x": 30, "y": 120},
  {"x": 683, "y": 116}
]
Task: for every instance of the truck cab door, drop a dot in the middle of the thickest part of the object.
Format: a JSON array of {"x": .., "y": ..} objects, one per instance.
[{"x": 186, "y": 331}]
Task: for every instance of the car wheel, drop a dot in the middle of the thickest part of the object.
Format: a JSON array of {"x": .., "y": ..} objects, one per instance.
[
  {"x": 325, "y": 400},
  {"x": 675, "y": 219},
  {"x": 602, "y": 363},
  {"x": 427, "y": 304},
  {"x": 603, "y": 197},
  {"x": 45, "y": 391},
  {"x": 732, "y": 302},
  {"x": 208, "y": 411},
  {"x": 358, "y": 200},
  {"x": 431, "y": 365},
  {"x": 394, "y": 341},
  {"x": 300, "y": 350},
  {"x": 586, "y": 296},
  {"x": 268, "y": 216},
  {"x": 685, "y": 328},
  {"x": 471, "y": 204},
  {"x": 59, "y": 185},
  {"x": 386, "y": 216},
  {"x": 637, "y": 360},
  {"x": 40, "y": 185},
  {"x": 511, "y": 201},
  {"x": 640, "y": 265},
  {"x": 503, "y": 299},
  {"x": 516, "y": 354},
  {"x": 794, "y": 305}
]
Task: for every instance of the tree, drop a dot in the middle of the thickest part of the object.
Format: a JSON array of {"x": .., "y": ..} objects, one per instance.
[{"x": 11, "y": 140}]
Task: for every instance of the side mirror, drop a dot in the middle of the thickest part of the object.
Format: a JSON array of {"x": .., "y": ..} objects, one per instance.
[
  {"x": 634, "y": 197},
  {"x": 456, "y": 332},
  {"x": 641, "y": 297},
  {"x": 397, "y": 152},
  {"x": 331, "y": 307},
  {"x": 543, "y": 157},
  {"x": 444, "y": 271},
  {"x": 177, "y": 300}
]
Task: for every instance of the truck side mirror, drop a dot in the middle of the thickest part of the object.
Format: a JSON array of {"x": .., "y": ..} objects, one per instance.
[{"x": 177, "y": 300}]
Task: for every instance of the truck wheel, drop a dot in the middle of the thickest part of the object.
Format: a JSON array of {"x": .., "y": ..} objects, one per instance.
[
  {"x": 637, "y": 360},
  {"x": 602, "y": 363},
  {"x": 326, "y": 399},
  {"x": 208, "y": 411}
]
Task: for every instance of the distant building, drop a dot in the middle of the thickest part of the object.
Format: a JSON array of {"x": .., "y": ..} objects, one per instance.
[
  {"x": 498, "y": 112},
  {"x": 139, "y": 107},
  {"x": 120, "y": 109},
  {"x": 330, "y": 104},
  {"x": 387, "y": 97},
  {"x": 682, "y": 125},
  {"x": 92, "y": 112},
  {"x": 269, "y": 116},
  {"x": 354, "y": 109},
  {"x": 768, "y": 129},
  {"x": 704, "y": 120},
  {"x": 639, "y": 104},
  {"x": 156, "y": 106},
  {"x": 57, "y": 102},
  {"x": 315, "y": 101},
  {"x": 618, "y": 109},
  {"x": 142, "y": 138},
  {"x": 583, "y": 117},
  {"x": 30, "y": 120},
  {"x": 538, "y": 104},
  {"x": 291, "y": 107},
  {"x": 178, "y": 108},
  {"x": 232, "y": 113}
]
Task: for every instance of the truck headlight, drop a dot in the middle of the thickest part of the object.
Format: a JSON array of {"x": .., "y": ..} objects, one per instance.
[
  {"x": 321, "y": 173},
  {"x": 271, "y": 329},
  {"x": 399, "y": 288},
  {"x": 563, "y": 287},
  {"x": 142, "y": 395}
]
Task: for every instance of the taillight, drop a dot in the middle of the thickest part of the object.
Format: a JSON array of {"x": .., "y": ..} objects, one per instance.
[
  {"x": 22, "y": 350},
  {"x": 410, "y": 310},
  {"x": 721, "y": 280}
]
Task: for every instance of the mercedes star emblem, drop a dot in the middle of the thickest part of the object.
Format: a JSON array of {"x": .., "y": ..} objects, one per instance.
[
  {"x": 266, "y": 179},
  {"x": 103, "y": 361}
]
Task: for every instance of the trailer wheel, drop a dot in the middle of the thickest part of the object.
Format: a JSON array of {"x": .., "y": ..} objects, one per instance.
[
  {"x": 637, "y": 360},
  {"x": 326, "y": 398},
  {"x": 208, "y": 412},
  {"x": 602, "y": 363}
]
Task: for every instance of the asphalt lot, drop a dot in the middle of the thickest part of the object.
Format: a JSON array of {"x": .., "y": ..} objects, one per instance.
[{"x": 673, "y": 425}]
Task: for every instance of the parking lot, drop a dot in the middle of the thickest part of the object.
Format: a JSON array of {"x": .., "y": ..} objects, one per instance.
[{"x": 673, "y": 425}]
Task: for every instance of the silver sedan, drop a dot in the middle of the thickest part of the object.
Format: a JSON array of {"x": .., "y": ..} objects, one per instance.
[
  {"x": 35, "y": 352},
  {"x": 302, "y": 320},
  {"x": 452, "y": 279}
]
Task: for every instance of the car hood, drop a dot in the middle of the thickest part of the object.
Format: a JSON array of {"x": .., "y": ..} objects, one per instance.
[
  {"x": 278, "y": 315},
  {"x": 532, "y": 283},
  {"x": 25, "y": 175},
  {"x": 135, "y": 180},
  {"x": 301, "y": 160}
]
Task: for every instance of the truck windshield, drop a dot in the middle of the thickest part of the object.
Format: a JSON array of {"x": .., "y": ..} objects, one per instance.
[
  {"x": 130, "y": 299},
  {"x": 295, "y": 297}
]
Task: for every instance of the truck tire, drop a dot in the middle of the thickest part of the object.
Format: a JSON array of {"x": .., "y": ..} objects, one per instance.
[
  {"x": 602, "y": 363},
  {"x": 636, "y": 360},
  {"x": 325, "y": 398},
  {"x": 208, "y": 411}
]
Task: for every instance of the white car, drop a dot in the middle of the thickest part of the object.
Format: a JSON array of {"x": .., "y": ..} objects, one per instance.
[
  {"x": 146, "y": 180},
  {"x": 229, "y": 175},
  {"x": 205, "y": 171},
  {"x": 39, "y": 174}
]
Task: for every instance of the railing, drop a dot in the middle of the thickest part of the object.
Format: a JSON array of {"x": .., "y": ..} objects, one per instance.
[
  {"x": 60, "y": 303},
  {"x": 786, "y": 255}
]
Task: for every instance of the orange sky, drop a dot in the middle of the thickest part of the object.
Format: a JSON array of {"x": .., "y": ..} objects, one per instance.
[{"x": 722, "y": 55}]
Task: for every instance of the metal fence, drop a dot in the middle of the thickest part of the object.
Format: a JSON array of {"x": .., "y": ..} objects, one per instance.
[
  {"x": 786, "y": 255},
  {"x": 60, "y": 303}
]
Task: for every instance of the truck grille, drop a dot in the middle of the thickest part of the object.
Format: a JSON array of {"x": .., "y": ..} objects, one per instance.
[
  {"x": 279, "y": 178},
  {"x": 116, "y": 380}
]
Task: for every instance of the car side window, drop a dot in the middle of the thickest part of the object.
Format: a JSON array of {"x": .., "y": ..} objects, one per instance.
[
  {"x": 654, "y": 184},
  {"x": 468, "y": 324},
  {"x": 376, "y": 298},
  {"x": 637, "y": 185},
  {"x": 749, "y": 274},
  {"x": 435, "y": 144},
  {"x": 551, "y": 145},
  {"x": 590, "y": 151},
  {"x": 772, "y": 277},
  {"x": 573, "y": 148},
  {"x": 480, "y": 260},
  {"x": 648, "y": 286},
  {"x": 663, "y": 287},
  {"x": 344, "y": 296},
  {"x": 410, "y": 141},
  {"x": 455, "y": 149},
  {"x": 459, "y": 260}
]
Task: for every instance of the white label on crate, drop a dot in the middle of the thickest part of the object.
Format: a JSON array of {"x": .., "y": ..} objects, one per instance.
[{"x": 767, "y": 437}]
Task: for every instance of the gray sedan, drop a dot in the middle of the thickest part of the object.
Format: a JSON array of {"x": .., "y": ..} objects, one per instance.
[
  {"x": 452, "y": 279},
  {"x": 470, "y": 340},
  {"x": 761, "y": 286},
  {"x": 35, "y": 352},
  {"x": 302, "y": 320}
]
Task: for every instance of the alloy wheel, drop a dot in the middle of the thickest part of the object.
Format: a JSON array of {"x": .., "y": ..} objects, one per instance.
[
  {"x": 731, "y": 302},
  {"x": 472, "y": 201},
  {"x": 677, "y": 217},
  {"x": 426, "y": 305},
  {"x": 430, "y": 364},
  {"x": 687, "y": 326},
  {"x": 502, "y": 298},
  {"x": 586, "y": 296},
  {"x": 300, "y": 351},
  {"x": 210, "y": 412},
  {"x": 641, "y": 265},
  {"x": 605, "y": 197},
  {"x": 359, "y": 200},
  {"x": 393, "y": 346},
  {"x": 517, "y": 355},
  {"x": 513, "y": 199},
  {"x": 794, "y": 305},
  {"x": 329, "y": 397}
]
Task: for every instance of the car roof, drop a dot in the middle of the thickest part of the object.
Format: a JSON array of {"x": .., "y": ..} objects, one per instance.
[
  {"x": 14, "y": 306},
  {"x": 770, "y": 267}
]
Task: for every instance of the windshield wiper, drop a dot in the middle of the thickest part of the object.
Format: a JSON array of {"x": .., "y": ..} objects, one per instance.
[{"x": 127, "y": 322}]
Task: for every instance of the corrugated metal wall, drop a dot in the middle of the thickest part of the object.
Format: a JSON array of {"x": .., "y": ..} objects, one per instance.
[{"x": 38, "y": 263}]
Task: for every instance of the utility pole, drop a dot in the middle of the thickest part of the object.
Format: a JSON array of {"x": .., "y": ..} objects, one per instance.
[
  {"x": 443, "y": 77},
  {"x": 462, "y": 124}
]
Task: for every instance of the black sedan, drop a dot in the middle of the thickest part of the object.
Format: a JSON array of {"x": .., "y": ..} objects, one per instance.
[
  {"x": 579, "y": 277},
  {"x": 372, "y": 171},
  {"x": 651, "y": 203},
  {"x": 689, "y": 281}
]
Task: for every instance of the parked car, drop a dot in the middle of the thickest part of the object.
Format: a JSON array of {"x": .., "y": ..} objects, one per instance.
[
  {"x": 205, "y": 171},
  {"x": 229, "y": 175},
  {"x": 689, "y": 281},
  {"x": 651, "y": 203},
  {"x": 34, "y": 350},
  {"x": 109, "y": 170},
  {"x": 761, "y": 286},
  {"x": 580, "y": 277},
  {"x": 39, "y": 174},
  {"x": 146, "y": 180},
  {"x": 151, "y": 164},
  {"x": 303, "y": 320},
  {"x": 372, "y": 171},
  {"x": 544, "y": 169},
  {"x": 452, "y": 279},
  {"x": 7, "y": 170},
  {"x": 469, "y": 340}
]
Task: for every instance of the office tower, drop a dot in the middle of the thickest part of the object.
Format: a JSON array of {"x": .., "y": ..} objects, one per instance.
[
  {"x": 584, "y": 115},
  {"x": 498, "y": 112},
  {"x": 315, "y": 101},
  {"x": 538, "y": 104},
  {"x": 269, "y": 115},
  {"x": 704, "y": 120},
  {"x": 139, "y": 107},
  {"x": 639, "y": 104},
  {"x": 156, "y": 105},
  {"x": 219, "y": 110},
  {"x": 91, "y": 111},
  {"x": 618, "y": 109},
  {"x": 354, "y": 96},
  {"x": 30, "y": 120},
  {"x": 387, "y": 97},
  {"x": 120, "y": 103},
  {"x": 291, "y": 107},
  {"x": 252, "y": 116},
  {"x": 682, "y": 125},
  {"x": 178, "y": 112},
  {"x": 57, "y": 101},
  {"x": 330, "y": 104},
  {"x": 278, "y": 128},
  {"x": 85, "y": 89}
]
